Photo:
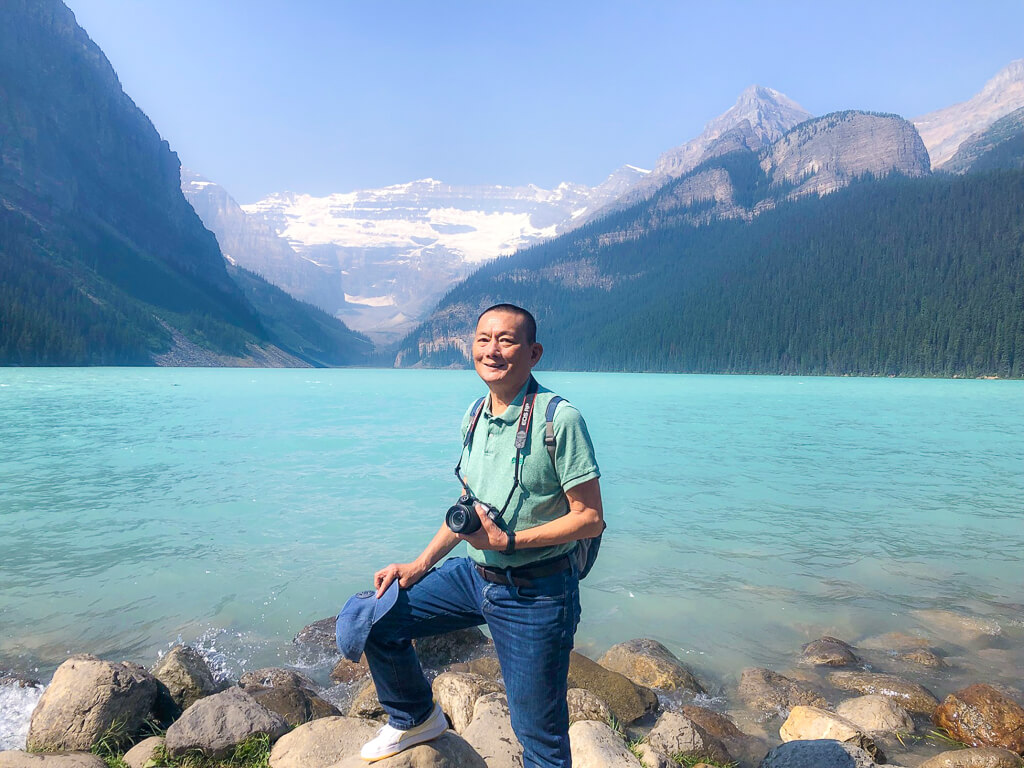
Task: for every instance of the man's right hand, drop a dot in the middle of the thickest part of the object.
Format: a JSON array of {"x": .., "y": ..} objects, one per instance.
[{"x": 406, "y": 573}]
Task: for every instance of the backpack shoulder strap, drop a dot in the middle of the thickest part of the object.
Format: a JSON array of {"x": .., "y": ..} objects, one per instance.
[
  {"x": 478, "y": 406},
  {"x": 549, "y": 427}
]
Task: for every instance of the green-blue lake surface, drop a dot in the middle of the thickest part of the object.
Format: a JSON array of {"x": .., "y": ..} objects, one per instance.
[{"x": 746, "y": 515}]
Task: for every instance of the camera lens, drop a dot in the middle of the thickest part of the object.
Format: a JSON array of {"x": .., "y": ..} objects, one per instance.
[{"x": 461, "y": 518}]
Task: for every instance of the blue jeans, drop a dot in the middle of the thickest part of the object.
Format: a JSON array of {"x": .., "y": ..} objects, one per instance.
[{"x": 532, "y": 628}]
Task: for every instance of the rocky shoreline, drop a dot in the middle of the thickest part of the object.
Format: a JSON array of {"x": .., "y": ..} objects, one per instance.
[{"x": 637, "y": 705}]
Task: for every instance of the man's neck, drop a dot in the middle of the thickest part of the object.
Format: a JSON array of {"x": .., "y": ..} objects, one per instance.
[{"x": 502, "y": 398}]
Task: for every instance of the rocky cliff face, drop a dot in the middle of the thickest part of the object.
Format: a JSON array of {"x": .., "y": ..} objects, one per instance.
[
  {"x": 944, "y": 130},
  {"x": 1000, "y": 146},
  {"x": 825, "y": 154}
]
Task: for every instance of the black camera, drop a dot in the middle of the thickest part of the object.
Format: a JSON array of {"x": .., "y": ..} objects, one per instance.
[{"x": 462, "y": 517}]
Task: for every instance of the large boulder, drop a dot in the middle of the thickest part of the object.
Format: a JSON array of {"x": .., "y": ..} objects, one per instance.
[
  {"x": 825, "y": 753},
  {"x": 276, "y": 677},
  {"x": 911, "y": 696},
  {"x": 457, "y": 693},
  {"x": 923, "y": 657},
  {"x": 186, "y": 675},
  {"x": 982, "y": 716},
  {"x": 459, "y": 646},
  {"x": 648, "y": 662},
  {"x": 323, "y": 742},
  {"x": 775, "y": 694},
  {"x": 828, "y": 651},
  {"x": 811, "y": 724},
  {"x": 747, "y": 749},
  {"x": 448, "y": 750},
  {"x": 318, "y": 638},
  {"x": 16, "y": 758},
  {"x": 979, "y": 757},
  {"x": 366, "y": 705},
  {"x": 89, "y": 699},
  {"x": 485, "y": 666},
  {"x": 491, "y": 735},
  {"x": 596, "y": 745},
  {"x": 584, "y": 705},
  {"x": 627, "y": 700},
  {"x": 678, "y": 736},
  {"x": 876, "y": 714},
  {"x": 144, "y": 754},
  {"x": 295, "y": 705},
  {"x": 958, "y": 628},
  {"x": 216, "y": 724},
  {"x": 345, "y": 671}
]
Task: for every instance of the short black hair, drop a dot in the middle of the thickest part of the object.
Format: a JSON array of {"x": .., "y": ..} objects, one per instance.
[{"x": 530, "y": 322}]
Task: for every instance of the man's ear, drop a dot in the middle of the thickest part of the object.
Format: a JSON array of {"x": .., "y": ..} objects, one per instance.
[{"x": 535, "y": 353}]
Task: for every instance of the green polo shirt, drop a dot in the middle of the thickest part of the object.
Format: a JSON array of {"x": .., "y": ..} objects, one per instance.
[{"x": 488, "y": 465}]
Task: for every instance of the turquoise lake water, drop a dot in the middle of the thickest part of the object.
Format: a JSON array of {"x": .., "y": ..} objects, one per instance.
[{"x": 746, "y": 515}]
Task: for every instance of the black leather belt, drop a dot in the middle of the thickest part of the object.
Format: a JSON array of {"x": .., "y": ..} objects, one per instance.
[{"x": 524, "y": 575}]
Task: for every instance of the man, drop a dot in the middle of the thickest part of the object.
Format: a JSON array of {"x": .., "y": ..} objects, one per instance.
[{"x": 520, "y": 578}]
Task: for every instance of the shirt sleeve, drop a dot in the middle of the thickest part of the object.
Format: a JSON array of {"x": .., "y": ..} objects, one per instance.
[{"x": 574, "y": 450}]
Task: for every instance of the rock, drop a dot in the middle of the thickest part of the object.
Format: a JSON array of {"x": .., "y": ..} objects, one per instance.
[
  {"x": 490, "y": 733},
  {"x": 346, "y": 671},
  {"x": 276, "y": 677},
  {"x": 981, "y": 716},
  {"x": 775, "y": 694},
  {"x": 745, "y": 748},
  {"x": 19, "y": 681},
  {"x": 828, "y": 651},
  {"x": 583, "y": 705},
  {"x": 958, "y": 628},
  {"x": 677, "y": 735},
  {"x": 652, "y": 758},
  {"x": 909, "y": 695},
  {"x": 366, "y": 704},
  {"x": 446, "y": 751},
  {"x": 323, "y": 742},
  {"x": 924, "y": 657},
  {"x": 452, "y": 647},
  {"x": 295, "y": 705},
  {"x": 825, "y": 753},
  {"x": 457, "y": 693},
  {"x": 15, "y": 758},
  {"x": 894, "y": 641},
  {"x": 485, "y": 666},
  {"x": 216, "y": 724},
  {"x": 143, "y": 754},
  {"x": 979, "y": 757},
  {"x": 186, "y": 675},
  {"x": 319, "y": 637},
  {"x": 812, "y": 724},
  {"x": 876, "y": 714},
  {"x": 648, "y": 662},
  {"x": 85, "y": 700},
  {"x": 627, "y": 700},
  {"x": 596, "y": 745}
]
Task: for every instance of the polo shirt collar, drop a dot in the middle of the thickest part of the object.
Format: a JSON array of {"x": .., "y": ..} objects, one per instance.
[{"x": 511, "y": 414}]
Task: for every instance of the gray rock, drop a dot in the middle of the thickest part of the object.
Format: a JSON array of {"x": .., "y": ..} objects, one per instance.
[
  {"x": 295, "y": 705},
  {"x": 215, "y": 725},
  {"x": 648, "y": 662},
  {"x": 813, "y": 724},
  {"x": 186, "y": 675},
  {"x": 446, "y": 751},
  {"x": 366, "y": 704},
  {"x": 596, "y": 745},
  {"x": 825, "y": 753},
  {"x": 627, "y": 700},
  {"x": 828, "y": 651},
  {"x": 19, "y": 681},
  {"x": 775, "y": 694},
  {"x": 85, "y": 700},
  {"x": 924, "y": 657},
  {"x": 346, "y": 671},
  {"x": 675, "y": 734},
  {"x": 277, "y": 677},
  {"x": 894, "y": 641},
  {"x": 908, "y": 694},
  {"x": 652, "y": 758},
  {"x": 15, "y": 758},
  {"x": 876, "y": 714},
  {"x": 319, "y": 637},
  {"x": 321, "y": 743},
  {"x": 457, "y": 693},
  {"x": 142, "y": 755},
  {"x": 584, "y": 705},
  {"x": 979, "y": 757},
  {"x": 452, "y": 647},
  {"x": 490, "y": 733}
]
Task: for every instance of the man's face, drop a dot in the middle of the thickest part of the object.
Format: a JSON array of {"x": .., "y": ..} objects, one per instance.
[{"x": 501, "y": 353}]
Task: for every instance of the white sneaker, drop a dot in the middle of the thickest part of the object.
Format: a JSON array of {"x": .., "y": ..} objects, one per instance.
[{"x": 390, "y": 741}]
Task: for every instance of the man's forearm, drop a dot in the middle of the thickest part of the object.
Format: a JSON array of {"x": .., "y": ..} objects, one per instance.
[{"x": 444, "y": 541}]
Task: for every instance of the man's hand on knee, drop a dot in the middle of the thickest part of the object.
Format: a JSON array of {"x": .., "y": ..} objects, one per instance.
[{"x": 406, "y": 573}]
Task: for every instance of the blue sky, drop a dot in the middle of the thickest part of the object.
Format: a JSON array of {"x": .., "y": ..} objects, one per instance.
[{"x": 325, "y": 96}]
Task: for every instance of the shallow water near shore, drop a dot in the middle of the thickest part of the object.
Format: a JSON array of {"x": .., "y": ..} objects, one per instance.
[{"x": 747, "y": 515}]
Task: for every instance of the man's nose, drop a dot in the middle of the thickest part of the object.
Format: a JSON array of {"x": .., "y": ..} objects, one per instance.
[{"x": 493, "y": 348}]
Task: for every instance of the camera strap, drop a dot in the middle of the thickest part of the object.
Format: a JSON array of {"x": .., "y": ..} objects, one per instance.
[{"x": 522, "y": 435}]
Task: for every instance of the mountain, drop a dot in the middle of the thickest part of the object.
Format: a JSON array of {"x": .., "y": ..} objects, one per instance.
[
  {"x": 944, "y": 130},
  {"x": 381, "y": 258},
  {"x": 102, "y": 260},
  {"x": 1000, "y": 146}
]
